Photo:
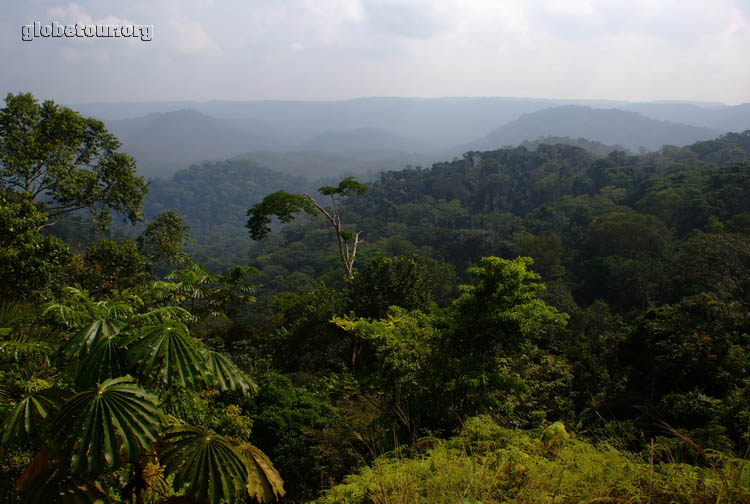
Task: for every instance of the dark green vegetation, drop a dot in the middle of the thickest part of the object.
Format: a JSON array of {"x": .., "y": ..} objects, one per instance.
[
  {"x": 526, "y": 326},
  {"x": 66, "y": 162},
  {"x": 117, "y": 395}
]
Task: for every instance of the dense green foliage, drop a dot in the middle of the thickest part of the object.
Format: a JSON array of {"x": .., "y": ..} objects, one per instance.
[
  {"x": 580, "y": 321},
  {"x": 163, "y": 239},
  {"x": 66, "y": 162},
  {"x": 213, "y": 198},
  {"x": 29, "y": 261},
  {"x": 284, "y": 205},
  {"x": 491, "y": 464}
]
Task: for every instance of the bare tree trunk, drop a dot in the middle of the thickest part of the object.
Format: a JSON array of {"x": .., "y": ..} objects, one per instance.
[{"x": 347, "y": 256}]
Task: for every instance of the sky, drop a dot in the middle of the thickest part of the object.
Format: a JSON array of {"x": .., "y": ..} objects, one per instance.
[{"x": 634, "y": 50}]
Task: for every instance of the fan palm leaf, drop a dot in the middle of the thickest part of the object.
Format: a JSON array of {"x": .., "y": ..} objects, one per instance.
[
  {"x": 264, "y": 482},
  {"x": 28, "y": 420},
  {"x": 166, "y": 352},
  {"x": 89, "y": 335},
  {"x": 106, "y": 360},
  {"x": 205, "y": 465},
  {"x": 225, "y": 374},
  {"x": 101, "y": 426}
]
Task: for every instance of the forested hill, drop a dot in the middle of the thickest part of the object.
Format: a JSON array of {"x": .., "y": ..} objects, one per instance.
[
  {"x": 617, "y": 228},
  {"x": 553, "y": 203},
  {"x": 609, "y": 126},
  {"x": 393, "y": 131},
  {"x": 215, "y": 194},
  {"x": 213, "y": 199},
  {"x": 164, "y": 143},
  {"x": 592, "y": 146}
]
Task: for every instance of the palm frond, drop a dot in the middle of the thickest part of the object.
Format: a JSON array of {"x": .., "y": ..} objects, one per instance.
[
  {"x": 167, "y": 353},
  {"x": 105, "y": 360},
  {"x": 101, "y": 426},
  {"x": 163, "y": 314},
  {"x": 225, "y": 374},
  {"x": 70, "y": 316},
  {"x": 11, "y": 313},
  {"x": 205, "y": 465},
  {"x": 264, "y": 483},
  {"x": 89, "y": 335},
  {"x": 29, "y": 419}
]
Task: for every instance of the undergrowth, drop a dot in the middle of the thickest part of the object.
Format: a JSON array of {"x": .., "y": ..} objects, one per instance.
[{"x": 487, "y": 463}]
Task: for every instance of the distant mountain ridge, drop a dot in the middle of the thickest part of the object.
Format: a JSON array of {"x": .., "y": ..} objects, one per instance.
[
  {"x": 364, "y": 132},
  {"x": 169, "y": 141},
  {"x": 608, "y": 126},
  {"x": 724, "y": 118}
]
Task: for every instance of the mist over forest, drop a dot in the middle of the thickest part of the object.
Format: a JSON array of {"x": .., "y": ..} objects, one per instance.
[{"x": 393, "y": 132}]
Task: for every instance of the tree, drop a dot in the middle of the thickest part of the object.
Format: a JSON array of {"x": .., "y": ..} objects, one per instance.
[
  {"x": 29, "y": 260},
  {"x": 65, "y": 162},
  {"x": 623, "y": 261},
  {"x": 477, "y": 355},
  {"x": 284, "y": 205},
  {"x": 109, "y": 265},
  {"x": 497, "y": 320},
  {"x": 718, "y": 263},
  {"x": 163, "y": 239},
  {"x": 502, "y": 309},
  {"x": 399, "y": 281},
  {"x": 688, "y": 366}
]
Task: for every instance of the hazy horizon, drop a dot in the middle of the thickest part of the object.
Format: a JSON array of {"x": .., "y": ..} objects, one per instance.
[{"x": 704, "y": 103}]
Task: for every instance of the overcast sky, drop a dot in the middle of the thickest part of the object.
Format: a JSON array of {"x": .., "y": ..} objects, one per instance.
[{"x": 635, "y": 50}]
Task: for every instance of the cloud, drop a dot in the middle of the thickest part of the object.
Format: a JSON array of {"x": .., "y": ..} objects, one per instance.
[
  {"x": 417, "y": 19},
  {"x": 69, "y": 14},
  {"x": 190, "y": 37},
  {"x": 670, "y": 19},
  {"x": 328, "y": 49}
]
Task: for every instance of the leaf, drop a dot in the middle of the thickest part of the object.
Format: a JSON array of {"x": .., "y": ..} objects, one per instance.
[
  {"x": 100, "y": 426},
  {"x": 167, "y": 350},
  {"x": 163, "y": 314},
  {"x": 91, "y": 334},
  {"x": 238, "y": 274},
  {"x": 28, "y": 420},
  {"x": 106, "y": 360},
  {"x": 264, "y": 482},
  {"x": 205, "y": 466},
  {"x": 225, "y": 374},
  {"x": 281, "y": 204}
]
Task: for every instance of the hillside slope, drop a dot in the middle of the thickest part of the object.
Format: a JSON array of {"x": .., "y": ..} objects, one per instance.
[{"x": 608, "y": 126}]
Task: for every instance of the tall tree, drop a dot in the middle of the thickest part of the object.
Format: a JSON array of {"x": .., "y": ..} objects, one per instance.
[
  {"x": 284, "y": 205},
  {"x": 66, "y": 162}
]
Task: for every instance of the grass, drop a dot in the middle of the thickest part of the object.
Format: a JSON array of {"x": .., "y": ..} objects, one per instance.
[{"x": 487, "y": 464}]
